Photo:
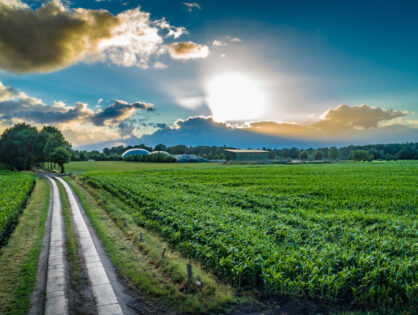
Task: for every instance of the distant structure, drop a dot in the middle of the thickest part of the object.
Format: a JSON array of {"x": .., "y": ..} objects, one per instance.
[
  {"x": 246, "y": 155},
  {"x": 135, "y": 152},
  {"x": 189, "y": 158},
  {"x": 160, "y": 152}
]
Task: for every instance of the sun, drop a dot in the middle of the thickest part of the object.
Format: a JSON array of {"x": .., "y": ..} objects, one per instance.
[{"x": 235, "y": 97}]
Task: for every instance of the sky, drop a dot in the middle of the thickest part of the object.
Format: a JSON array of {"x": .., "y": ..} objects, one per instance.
[{"x": 236, "y": 73}]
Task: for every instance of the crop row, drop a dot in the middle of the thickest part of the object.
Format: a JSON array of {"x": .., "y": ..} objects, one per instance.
[
  {"x": 336, "y": 232},
  {"x": 14, "y": 190}
]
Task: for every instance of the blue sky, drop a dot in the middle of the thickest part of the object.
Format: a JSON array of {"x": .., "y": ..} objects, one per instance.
[{"x": 305, "y": 59}]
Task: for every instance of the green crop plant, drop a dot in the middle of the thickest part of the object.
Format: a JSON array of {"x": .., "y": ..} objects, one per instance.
[
  {"x": 340, "y": 232},
  {"x": 14, "y": 190}
]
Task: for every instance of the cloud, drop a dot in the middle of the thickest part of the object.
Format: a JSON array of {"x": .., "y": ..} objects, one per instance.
[
  {"x": 205, "y": 131},
  {"x": 172, "y": 31},
  {"x": 191, "y": 102},
  {"x": 111, "y": 122},
  {"x": 118, "y": 112},
  {"x": 192, "y": 5},
  {"x": 334, "y": 123},
  {"x": 188, "y": 50},
  {"x": 234, "y": 39},
  {"x": 18, "y": 105},
  {"x": 53, "y": 37},
  {"x": 219, "y": 43},
  {"x": 360, "y": 117},
  {"x": 6, "y": 93},
  {"x": 159, "y": 65},
  {"x": 226, "y": 40},
  {"x": 118, "y": 121}
]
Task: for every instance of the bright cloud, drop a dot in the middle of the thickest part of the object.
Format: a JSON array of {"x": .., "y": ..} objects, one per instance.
[
  {"x": 188, "y": 50},
  {"x": 192, "y": 5},
  {"x": 159, "y": 65},
  {"x": 219, "y": 43}
]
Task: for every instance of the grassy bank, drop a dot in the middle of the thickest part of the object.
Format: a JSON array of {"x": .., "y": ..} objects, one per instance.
[
  {"x": 142, "y": 264},
  {"x": 19, "y": 258}
]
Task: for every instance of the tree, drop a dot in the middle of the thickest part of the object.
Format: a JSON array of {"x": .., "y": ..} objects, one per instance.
[
  {"x": 406, "y": 154},
  {"x": 375, "y": 154},
  {"x": 360, "y": 155},
  {"x": 318, "y": 155},
  {"x": 294, "y": 153},
  {"x": 179, "y": 149},
  {"x": 52, "y": 138},
  {"x": 20, "y": 146},
  {"x": 303, "y": 155},
  {"x": 333, "y": 153},
  {"x": 160, "y": 147},
  {"x": 60, "y": 155}
]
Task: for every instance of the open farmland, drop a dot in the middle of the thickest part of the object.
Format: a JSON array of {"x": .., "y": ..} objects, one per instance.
[
  {"x": 341, "y": 232},
  {"x": 14, "y": 190}
]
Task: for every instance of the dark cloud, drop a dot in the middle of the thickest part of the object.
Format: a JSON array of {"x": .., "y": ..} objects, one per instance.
[
  {"x": 118, "y": 112},
  {"x": 51, "y": 37},
  {"x": 205, "y": 131},
  {"x": 18, "y": 105},
  {"x": 339, "y": 126}
]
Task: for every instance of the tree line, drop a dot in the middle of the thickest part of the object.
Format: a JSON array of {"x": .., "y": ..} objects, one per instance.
[
  {"x": 23, "y": 146},
  {"x": 404, "y": 151}
]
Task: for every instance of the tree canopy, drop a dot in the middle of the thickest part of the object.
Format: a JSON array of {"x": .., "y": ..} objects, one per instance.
[{"x": 22, "y": 146}]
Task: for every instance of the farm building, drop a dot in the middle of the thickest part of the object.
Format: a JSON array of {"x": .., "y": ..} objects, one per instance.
[
  {"x": 135, "y": 152},
  {"x": 246, "y": 155}
]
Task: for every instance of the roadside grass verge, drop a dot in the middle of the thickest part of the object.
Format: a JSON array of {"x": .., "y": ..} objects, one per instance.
[
  {"x": 19, "y": 258},
  {"x": 142, "y": 264}
]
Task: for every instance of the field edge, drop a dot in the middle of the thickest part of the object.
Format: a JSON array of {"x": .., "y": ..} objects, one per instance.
[
  {"x": 19, "y": 258},
  {"x": 164, "y": 280}
]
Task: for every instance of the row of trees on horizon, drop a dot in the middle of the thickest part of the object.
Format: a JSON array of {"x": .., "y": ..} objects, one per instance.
[
  {"x": 23, "y": 146},
  {"x": 405, "y": 151}
]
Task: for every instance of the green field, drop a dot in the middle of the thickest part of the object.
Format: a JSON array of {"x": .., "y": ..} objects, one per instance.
[
  {"x": 14, "y": 190},
  {"x": 339, "y": 232},
  {"x": 116, "y": 166}
]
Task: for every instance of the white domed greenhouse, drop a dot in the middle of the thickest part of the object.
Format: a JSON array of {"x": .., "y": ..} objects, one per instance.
[{"x": 135, "y": 151}]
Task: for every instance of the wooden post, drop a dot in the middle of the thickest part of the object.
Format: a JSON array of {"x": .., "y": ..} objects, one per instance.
[
  {"x": 141, "y": 237},
  {"x": 189, "y": 272}
]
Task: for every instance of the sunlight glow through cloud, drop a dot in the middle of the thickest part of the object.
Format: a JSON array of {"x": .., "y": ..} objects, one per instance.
[{"x": 235, "y": 97}]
